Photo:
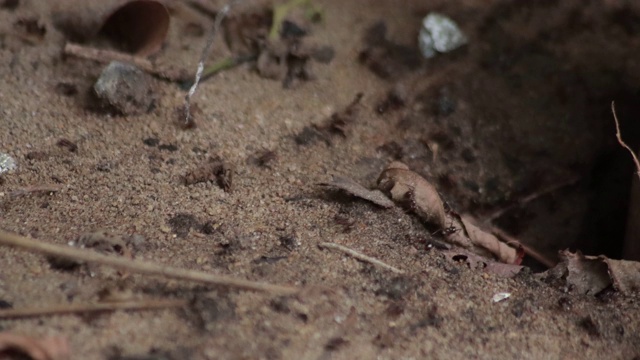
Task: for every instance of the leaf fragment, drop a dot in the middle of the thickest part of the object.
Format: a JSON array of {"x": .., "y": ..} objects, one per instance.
[{"x": 353, "y": 188}]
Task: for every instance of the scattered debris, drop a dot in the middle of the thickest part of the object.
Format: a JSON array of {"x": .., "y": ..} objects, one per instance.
[
  {"x": 181, "y": 115},
  {"x": 385, "y": 58},
  {"x": 213, "y": 170},
  {"x": 360, "y": 256},
  {"x": 7, "y": 163},
  {"x": 182, "y": 223},
  {"x": 337, "y": 124},
  {"x": 30, "y": 30},
  {"x": 264, "y": 158},
  {"x": 68, "y": 144},
  {"x": 141, "y": 267},
  {"x": 124, "y": 89},
  {"x": 66, "y": 89},
  {"x": 439, "y": 34},
  {"x": 148, "y": 304},
  {"x": 501, "y": 296},
  {"x": 357, "y": 190},
  {"x": 49, "y": 348},
  {"x": 102, "y": 241},
  {"x": 590, "y": 275},
  {"x": 275, "y": 38}
]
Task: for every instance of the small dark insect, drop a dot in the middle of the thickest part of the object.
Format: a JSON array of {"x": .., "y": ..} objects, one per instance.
[
  {"x": 347, "y": 223},
  {"x": 70, "y": 145},
  {"x": 446, "y": 231},
  {"x": 265, "y": 157}
]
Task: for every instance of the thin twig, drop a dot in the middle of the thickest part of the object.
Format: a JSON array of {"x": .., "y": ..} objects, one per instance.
[
  {"x": 106, "y": 56},
  {"x": 86, "y": 308},
  {"x": 360, "y": 256},
  {"x": 203, "y": 57},
  {"x": 621, "y": 142},
  {"x": 140, "y": 267},
  {"x": 36, "y": 189}
]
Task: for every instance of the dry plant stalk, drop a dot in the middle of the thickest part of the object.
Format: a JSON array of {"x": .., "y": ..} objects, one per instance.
[
  {"x": 16, "y": 241},
  {"x": 203, "y": 57},
  {"x": 621, "y": 142},
  {"x": 360, "y": 256},
  {"x": 86, "y": 308}
]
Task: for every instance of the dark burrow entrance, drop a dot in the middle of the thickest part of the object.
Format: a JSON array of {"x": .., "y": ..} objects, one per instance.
[{"x": 518, "y": 126}]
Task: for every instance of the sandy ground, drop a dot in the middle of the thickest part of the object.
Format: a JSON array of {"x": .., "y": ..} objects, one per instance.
[{"x": 531, "y": 95}]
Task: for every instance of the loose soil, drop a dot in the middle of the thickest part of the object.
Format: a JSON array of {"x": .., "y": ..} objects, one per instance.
[{"x": 524, "y": 107}]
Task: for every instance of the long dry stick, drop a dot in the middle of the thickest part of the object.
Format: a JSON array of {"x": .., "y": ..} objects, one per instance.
[
  {"x": 140, "y": 267},
  {"x": 105, "y": 56},
  {"x": 621, "y": 142},
  {"x": 360, "y": 256},
  {"x": 86, "y": 308}
]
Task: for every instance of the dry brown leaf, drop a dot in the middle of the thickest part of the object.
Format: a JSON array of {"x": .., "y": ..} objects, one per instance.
[
  {"x": 414, "y": 191},
  {"x": 49, "y": 348},
  {"x": 409, "y": 188},
  {"x": 490, "y": 242},
  {"x": 624, "y": 274},
  {"x": 481, "y": 263},
  {"x": 355, "y": 189},
  {"x": 587, "y": 275}
]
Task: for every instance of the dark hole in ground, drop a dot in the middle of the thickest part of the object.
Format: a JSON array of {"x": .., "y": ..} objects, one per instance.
[{"x": 530, "y": 108}]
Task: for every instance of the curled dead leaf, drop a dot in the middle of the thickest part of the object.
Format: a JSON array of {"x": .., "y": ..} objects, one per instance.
[
  {"x": 590, "y": 275},
  {"x": 414, "y": 191},
  {"x": 357, "y": 190},
  {"x": 490, "y": 242},
  {"x": 49, "y": 348}
]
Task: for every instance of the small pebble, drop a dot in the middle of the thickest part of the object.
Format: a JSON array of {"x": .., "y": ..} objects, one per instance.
[
  {"x": 125, "y": 89},
  {"x": 439, "y": 34},
  {"x": 7, "y": 163}
]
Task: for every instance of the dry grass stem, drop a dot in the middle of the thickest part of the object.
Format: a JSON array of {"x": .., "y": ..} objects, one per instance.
[
  {"x": 86, "y": 308},
  {"x": 34, "y": 246},
  {"x": 360, "y": 256},
  {"x": 621, "y": 142},
  {"x": 203, "y": 57}
]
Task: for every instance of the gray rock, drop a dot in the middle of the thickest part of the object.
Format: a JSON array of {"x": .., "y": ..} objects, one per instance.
[
  {"x": 125, "y": 89},
  {"x": 439, "y": 34},
  {"x": 7, "y": 163}
]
